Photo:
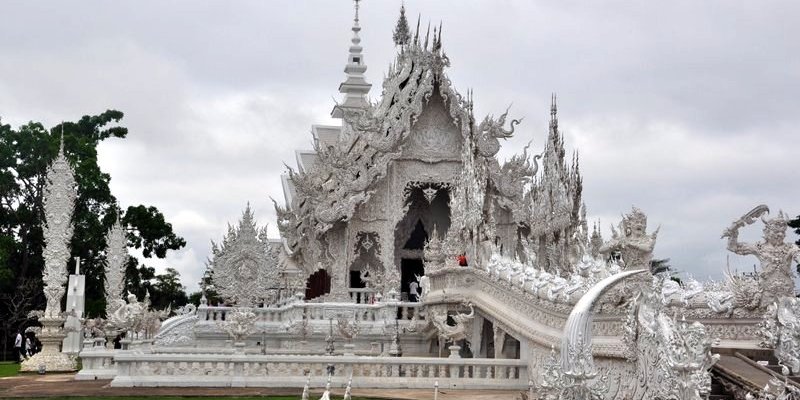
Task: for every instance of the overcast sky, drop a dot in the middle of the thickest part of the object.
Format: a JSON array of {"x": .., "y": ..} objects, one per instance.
[{"x": 686, "y": 109}]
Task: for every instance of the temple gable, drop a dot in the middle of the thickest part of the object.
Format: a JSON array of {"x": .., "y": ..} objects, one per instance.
[{"x": 434, "y": 137}]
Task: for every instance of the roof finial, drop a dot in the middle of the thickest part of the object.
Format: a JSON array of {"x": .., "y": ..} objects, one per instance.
[
  {"x": 440, "y": 35},
  {"x": 416, "y": 34},
  {"x": 355, "y": 87},
  {"x": 401, "y": 34},
  {"x": 553, "y": 112},
  {"x": 356, "y": 27},
  {"x": 61, "y": 143},
  {"x": 427, "y": 35}
]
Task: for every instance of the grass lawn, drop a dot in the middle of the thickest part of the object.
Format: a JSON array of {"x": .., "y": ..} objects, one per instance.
[{"x": 9, "y": 368}]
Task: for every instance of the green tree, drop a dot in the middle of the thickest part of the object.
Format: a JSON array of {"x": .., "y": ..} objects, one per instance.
[
  {"x": 25, "y": 154},
  {"x": 168, "y": 291}
]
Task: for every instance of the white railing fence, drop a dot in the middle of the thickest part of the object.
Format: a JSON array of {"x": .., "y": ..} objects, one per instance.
[{"x": 218, "y": 370}]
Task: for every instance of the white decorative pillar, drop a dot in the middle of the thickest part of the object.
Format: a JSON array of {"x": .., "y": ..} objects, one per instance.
[
  {"x": 59, "y": 204},
  {"x": 114, "y": 277},
  {"x": 499, "y": 341},
  {"x": 477, "y": 336},
  {"x": 75, "y": 307},
  {"x": 339, "y": 270}
]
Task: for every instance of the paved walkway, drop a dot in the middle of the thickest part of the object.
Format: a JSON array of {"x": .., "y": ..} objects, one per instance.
[{"x": 29, "y": 385}]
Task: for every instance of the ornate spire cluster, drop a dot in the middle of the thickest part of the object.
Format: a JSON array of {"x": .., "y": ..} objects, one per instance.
[
  {"x": 116, "y": 259},
  {"x": 59, "y": 205},
  {"x": 244, "y": 270},
  {"x": 402, "y": 33},
  {"x": 555, "y": 196}
]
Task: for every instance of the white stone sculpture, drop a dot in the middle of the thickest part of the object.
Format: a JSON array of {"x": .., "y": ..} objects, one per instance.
[
  {"x": 116, "y": 260},
  {"x": 452, "y": 333},
  {"x": 634, "y": 244},
  {"x": 780, "y": 330},
  {"x": 305, "y": 394},
  {"x": 673, "y": 357},
  {"x": 348, "y": 327},
  {"x": 243, "y": 268},
  {"x": 126, "y": 315},
  {"x": 149, "y": 321},
  {"x": 179, "y": 329},
  {"x": 326, "y": 395},
  {"x": 776, "y": 255},
  {"x": 577, "y": 362},
  {"x": 59, "y": 204},
  {"x": 776, "y": 389},
  {"x": 239, "y": 324},
  {"x": 348, "y": 389},
  {"x": 424, "y": 286},
  {"x": 554, "y": 200}
]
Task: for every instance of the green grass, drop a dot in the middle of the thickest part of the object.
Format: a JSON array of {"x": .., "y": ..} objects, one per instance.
[{"x": 8, "y": 369}]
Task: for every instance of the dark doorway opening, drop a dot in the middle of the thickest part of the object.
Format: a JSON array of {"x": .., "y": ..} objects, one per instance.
[
  {"x": 355, "y": 280},
  {"x": 318, "y": 283},
  {"x": 418, "y": 237},
  {"x": 409, "y": 267}
]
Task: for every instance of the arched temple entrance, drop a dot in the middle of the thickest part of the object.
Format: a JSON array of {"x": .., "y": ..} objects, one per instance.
[
  {"x": 428, "y": 211},
  {"x": 318, "y": 284}
]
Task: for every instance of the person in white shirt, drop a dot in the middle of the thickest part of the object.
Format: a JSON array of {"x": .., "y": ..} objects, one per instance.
[
  {"x": 28, "y": 347},
  {"x": 413, "y": 291},
  {"x": 18, "y": 347}
]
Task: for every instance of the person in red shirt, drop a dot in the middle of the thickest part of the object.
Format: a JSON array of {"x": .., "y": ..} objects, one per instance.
[{"x": 462, "y": 260}]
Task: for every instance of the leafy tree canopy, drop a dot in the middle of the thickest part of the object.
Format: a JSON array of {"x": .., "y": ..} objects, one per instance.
[{"x": 25, "y": 154}]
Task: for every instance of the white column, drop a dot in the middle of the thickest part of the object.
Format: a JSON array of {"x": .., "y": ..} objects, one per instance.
[{"x": 75, "y": 307}]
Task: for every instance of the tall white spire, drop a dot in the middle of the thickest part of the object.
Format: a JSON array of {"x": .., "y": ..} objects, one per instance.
[{"x": 354, "y": 87}]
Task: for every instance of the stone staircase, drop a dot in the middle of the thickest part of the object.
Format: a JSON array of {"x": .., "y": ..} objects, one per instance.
[{"x": 739, "y": 371}]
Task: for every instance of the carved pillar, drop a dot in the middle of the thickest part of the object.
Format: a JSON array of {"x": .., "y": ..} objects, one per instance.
[
  {"x": 387, "y": 253},
  {"x": 543, "y": 257},
  {"x": 59, "y": 204},
  {"x": 476, "y": 339},
  {"x": 338, "y": 269},
  {"x": 499, "y": 341}
]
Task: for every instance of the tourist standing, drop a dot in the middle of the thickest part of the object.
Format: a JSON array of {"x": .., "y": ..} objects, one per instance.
[
  {"x": 18, "y": 347},
  {"x": 413, "y": 291},
  {"x": 28, "y": 346}
]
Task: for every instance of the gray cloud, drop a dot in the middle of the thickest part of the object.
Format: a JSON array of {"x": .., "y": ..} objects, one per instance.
[{"x": 685, "y": 109}]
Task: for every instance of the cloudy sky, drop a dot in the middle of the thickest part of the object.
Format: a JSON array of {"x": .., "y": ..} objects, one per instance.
[{"x": 686, "y": 109}]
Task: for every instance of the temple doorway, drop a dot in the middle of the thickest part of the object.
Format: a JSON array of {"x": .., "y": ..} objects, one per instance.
[
  {"x": 428, "y": 212},
  {"x": 410, "y": 268},
  {"x": 355, "y": 280},
  {"x": 318, "y": 284}
]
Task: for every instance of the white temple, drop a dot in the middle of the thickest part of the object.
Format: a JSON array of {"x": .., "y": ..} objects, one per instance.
[{"x": 410, "y": 257}]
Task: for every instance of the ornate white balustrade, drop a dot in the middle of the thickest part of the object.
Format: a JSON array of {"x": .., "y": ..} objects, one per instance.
[
  {"x": 295, "y": 312},
  {"x": 237, "y": 370},
  {"x": 362, "y": 295},
  {"x": 541, "y": 320}
]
